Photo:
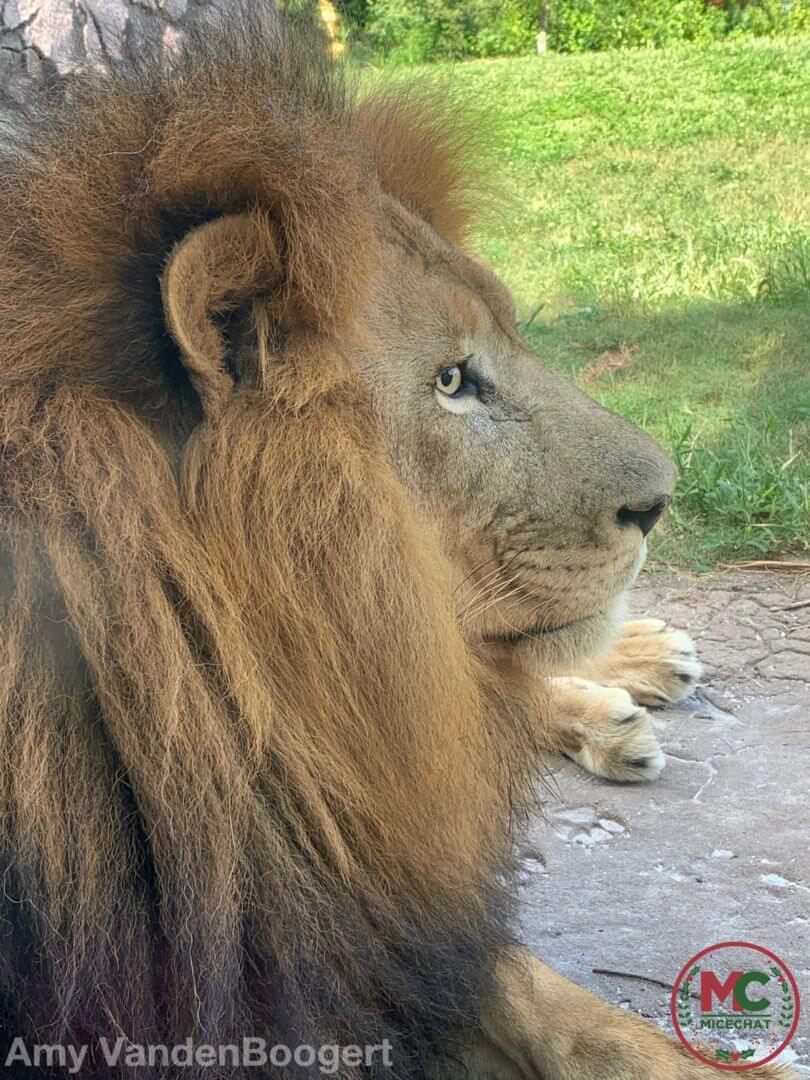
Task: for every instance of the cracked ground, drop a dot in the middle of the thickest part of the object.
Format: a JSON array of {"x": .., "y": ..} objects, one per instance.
[{"x": 635, "y": 879}]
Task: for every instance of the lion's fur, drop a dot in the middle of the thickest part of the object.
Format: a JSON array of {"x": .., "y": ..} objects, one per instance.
[{"x": 240, "y": 727}]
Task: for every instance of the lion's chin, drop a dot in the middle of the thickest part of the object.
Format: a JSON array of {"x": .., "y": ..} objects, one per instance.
[
  {"x": 577, "y": 641},
  {"x": 546, "y": 632},
  {"x": 556, "y": 648},
  {"x": 559, "y": 645}
]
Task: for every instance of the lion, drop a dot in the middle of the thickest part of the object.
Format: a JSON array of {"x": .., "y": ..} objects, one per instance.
[{"x": 293, "y": 532}]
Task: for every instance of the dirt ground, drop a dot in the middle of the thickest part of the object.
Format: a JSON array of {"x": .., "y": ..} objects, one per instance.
[{"x": 637, "y": 879}]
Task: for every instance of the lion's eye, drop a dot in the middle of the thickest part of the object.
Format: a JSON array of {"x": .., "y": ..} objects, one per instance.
[{"x": 450, "y": 381}]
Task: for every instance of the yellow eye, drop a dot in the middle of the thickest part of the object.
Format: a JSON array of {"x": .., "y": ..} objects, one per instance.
[{"x": 450, "y": 381}]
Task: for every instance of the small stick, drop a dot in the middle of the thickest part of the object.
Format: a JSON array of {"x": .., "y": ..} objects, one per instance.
[
  {"x": 768, "y": 564},
  {"x": 632, "y": 975},
  {"x": 797, "y": 605}
]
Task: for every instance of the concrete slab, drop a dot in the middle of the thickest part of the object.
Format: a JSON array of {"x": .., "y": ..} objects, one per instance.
[{"x": 637, "y": 879}]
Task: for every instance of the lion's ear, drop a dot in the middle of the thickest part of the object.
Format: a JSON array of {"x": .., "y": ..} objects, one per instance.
[{"x": 216, "y": 269}]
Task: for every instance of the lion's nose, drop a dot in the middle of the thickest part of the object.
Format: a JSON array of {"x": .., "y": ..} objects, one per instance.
[{"x": 645, "y": 516}]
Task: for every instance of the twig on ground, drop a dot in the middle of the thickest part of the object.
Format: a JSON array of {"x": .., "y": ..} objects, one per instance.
[
  {"x": 769, "y": 564},
  {"x": 632, "y": 975}
]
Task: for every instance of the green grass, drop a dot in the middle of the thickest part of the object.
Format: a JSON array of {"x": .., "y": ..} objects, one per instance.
[{"x": 657, "y": 240}]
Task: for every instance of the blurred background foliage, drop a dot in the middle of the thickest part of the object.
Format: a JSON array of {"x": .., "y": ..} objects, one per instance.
[{"x": 418, "y": 31}]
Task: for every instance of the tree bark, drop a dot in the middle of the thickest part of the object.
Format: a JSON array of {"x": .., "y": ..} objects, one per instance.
[{"x": 44, "y": 37}]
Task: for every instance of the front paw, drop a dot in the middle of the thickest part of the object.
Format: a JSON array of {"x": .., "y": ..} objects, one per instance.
[
  {"x": 608, "y": 733},
  {"x": 654, "y": 663}
]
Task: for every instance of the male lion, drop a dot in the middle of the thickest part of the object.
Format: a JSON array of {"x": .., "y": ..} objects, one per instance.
[{"x": 291, "y": 524}]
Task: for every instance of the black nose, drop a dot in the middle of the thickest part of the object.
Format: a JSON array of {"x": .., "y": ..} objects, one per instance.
[{"x": 645, "y": 517}]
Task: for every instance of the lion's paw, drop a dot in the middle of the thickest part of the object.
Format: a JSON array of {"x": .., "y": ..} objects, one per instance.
[
  {"x": 610, "y": 735},
  {"x": 651, "y": 661}
]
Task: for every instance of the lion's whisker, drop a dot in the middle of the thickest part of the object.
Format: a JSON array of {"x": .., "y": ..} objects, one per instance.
[
  {"x": 483, "y": 589},
  {"x": 492, "y": 576},
  {"x": 496, "y": 598},
  {"x": 475, "y": 570}
]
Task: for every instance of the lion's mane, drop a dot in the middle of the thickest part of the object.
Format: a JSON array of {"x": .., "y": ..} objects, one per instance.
[{"x": 252, "y": 781}]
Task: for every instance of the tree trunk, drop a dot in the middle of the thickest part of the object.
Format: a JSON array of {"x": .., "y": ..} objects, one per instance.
[{"x": 41, "y": 37}]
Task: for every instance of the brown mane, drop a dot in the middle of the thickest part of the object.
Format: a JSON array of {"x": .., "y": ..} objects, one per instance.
[{"x": 252, "y": 781}]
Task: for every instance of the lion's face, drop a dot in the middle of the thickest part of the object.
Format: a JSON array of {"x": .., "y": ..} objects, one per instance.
[{"x": 542, "y": 497}]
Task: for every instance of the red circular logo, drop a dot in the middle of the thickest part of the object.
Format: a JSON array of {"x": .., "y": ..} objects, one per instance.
[{"x": 735, "y": 1006}]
